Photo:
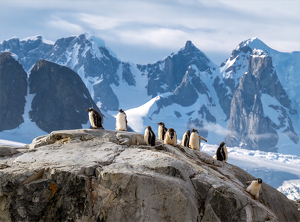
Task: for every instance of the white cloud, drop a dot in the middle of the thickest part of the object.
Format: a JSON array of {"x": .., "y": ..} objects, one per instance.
[
  {"x": 100, "y": 22},
  {"x": 158, "y": 37},
  {"x": 215, "y": 27},
  {"x": 65, "y": 25}
]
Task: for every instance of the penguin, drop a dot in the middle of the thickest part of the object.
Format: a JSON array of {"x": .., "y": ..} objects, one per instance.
[
  {"x": 121, "y": 121},
  {"x": 195, "y": 142},
  {"x": 161, "y": 131},
  {"x": 170, "y": 137},
  {"x": 95, "y": 118},
  {"x": 255, "y": 187},
  {"x": 186, "y": 138},
  {"x": 221, "y": 153},
  {"x": 149, "y": 136}
]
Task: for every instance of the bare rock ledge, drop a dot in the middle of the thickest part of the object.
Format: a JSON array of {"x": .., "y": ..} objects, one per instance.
[{"x": 103, "y": 175}]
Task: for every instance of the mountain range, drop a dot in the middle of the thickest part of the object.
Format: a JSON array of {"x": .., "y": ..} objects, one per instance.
[{"x": 251, "y": 100}]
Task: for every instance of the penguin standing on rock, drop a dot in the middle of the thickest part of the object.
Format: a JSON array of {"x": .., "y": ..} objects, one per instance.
[
  {"x": 95, "y": 118},
  {"x": 121, "y": 121},
  {"x": 170, "y": 137},
  {"x": 162, "y": 130},
  {"x": 149, "y": 136},
  {"x": 195, "y": 140},
  {"x": 255, "y": 187},
  {"x": 186, "y": 138},
  {"x": 221, "y": 153}
]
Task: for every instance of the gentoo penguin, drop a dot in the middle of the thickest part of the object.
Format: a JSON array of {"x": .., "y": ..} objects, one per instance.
[
  {"x": 161, "y": 131},
  {"x": 95, "y": 118},
  {"x": 170, "y": 137},
  {"x": 221, "y": 153},
  {"x": 186, "y": 138},
  {"x": 149, "y": 136},
  {"x": 121, "y": 121},
  {"x": 255, "y": 187},
  {"x": 195, "y": 140}
]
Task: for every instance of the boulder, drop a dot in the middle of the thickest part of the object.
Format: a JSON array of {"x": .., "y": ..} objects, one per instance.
[{"x": 106, "y": 175}]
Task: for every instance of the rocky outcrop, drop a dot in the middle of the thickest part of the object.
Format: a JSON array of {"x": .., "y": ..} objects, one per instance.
[
  {"x": 61, "y": 97},
  {"x": 13, "y": 89},
  {"x": 101, "y": 175}
]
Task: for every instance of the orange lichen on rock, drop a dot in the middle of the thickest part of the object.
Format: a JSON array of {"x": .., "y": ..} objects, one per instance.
[{"x": 53, "y": 188}]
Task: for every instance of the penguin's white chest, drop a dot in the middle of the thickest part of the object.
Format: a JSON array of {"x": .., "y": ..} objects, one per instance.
[
  {"x": 168, "y": 139},
  {"x": 226, "y": 154},
  {"x": 121, "y": 122},
  {"x": 160, "y": 132},
  {"x": 91, "y": 117},
  {"x": 146, "y": 136},
  {"x": 254, "y": 188},
  {"x": 195, "y": 141}
]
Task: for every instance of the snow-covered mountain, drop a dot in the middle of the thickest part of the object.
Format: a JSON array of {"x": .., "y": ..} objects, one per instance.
[
  {"x": 258, "y": 86},
  {"x": 250, "y": 100}
]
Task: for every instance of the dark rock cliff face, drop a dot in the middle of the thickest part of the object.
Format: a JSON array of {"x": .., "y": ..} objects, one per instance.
[
  {"x": 224, "y": 94},
  {"x": 127, "y": 74},
  {"x": 13, "y": 89},
  {"x": 104, "y": 93},
  {"x": 60, "y": 97},
  {"x": 249, "y": 123}
]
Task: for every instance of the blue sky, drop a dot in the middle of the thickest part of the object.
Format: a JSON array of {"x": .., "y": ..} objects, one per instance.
[{"x": 146, "y": 31}]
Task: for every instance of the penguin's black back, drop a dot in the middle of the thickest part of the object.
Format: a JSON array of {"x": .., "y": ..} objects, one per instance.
[
  {"x": 221, "y": 153},
  {"x": 151, "y": 138},
  {"x": 97, "y": 119},
  {"x": 186, "y": 140}
]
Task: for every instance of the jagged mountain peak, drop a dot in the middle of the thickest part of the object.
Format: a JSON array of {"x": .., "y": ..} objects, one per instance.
[
  {"x": 37, "y": 38},
  {"x": 254, "y": 43},
  {"x": 189, "y": 45},
  {"x": 191, "y": 48}
]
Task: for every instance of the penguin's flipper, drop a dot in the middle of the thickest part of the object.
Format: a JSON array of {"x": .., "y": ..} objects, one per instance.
[
  {"x": 260, "y": 190},
  {"x": 202, "y": 138},
  {"x": 248, "y": 182}
]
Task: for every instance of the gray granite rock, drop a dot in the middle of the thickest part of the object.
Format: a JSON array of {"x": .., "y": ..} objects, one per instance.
[{"x": 106, "y": 175}]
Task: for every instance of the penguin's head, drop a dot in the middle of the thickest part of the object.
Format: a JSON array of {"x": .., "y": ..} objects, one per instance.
[
  {"x": 188, "y": 132},
  {"x": 222, "y": 144},
  {"x": 161, "y": 124},
  {"x": 149, "y": 127},
  {"x": 171, "y": 132},
  {"x": 259, "y": 180},
  {"x": 89, "y": 109},
  {"x": 194, "y": 130},
  {"x": 121, "y": 111}
]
